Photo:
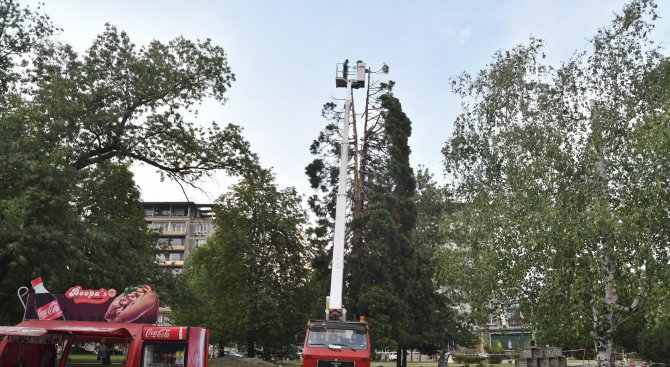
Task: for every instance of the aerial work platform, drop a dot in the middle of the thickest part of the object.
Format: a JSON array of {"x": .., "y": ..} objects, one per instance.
[{"x": 355, "y": 73}]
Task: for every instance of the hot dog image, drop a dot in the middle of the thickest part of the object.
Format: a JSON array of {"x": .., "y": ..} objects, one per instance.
[{"x": 132, "y": 304}]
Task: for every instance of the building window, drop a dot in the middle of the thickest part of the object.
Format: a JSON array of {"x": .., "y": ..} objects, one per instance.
[
  {"x": 179, "y": 211},
  {"x": 177, "y": 241},
  {"x": 201, "y": 229},
  {"x": 176, "y": 271},
  {"x": 179, "y": 227},
  {"x": 162, "y": 211},
  {"x": 160, "y": 257},
  {"x": 199, "y": 243},
  {"x": 148, "y": 212},
  {"x": 162, "y": 241},
  {"x": 163, "y": 227},
  {"x": 176, "y": 256},
  {"x": 514, "y": 317}
]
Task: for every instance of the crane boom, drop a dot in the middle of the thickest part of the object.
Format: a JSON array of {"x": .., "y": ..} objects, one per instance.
[{"x": 336, "y": 277}]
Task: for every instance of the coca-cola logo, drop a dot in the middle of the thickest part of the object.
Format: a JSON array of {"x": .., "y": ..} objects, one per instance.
[
  {"x": 157, "y": 333},
  {"x": 80, "y": 295},
  {"x": 50, "y": 311},
  {"x": 165, "y": 333}
]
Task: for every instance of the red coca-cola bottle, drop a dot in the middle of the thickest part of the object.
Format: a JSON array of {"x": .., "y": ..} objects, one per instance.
[{"x": 46, "y": 304}]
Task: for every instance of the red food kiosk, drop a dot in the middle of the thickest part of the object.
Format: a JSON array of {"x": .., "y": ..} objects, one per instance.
[
  {"x": 39, "y": 343},
  {"x": 85, "y": 320}
]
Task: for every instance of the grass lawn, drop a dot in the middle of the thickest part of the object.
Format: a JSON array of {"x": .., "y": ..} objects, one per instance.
[
  {"x": 253, "y": 362},
  {"x": 91, "y": 359},
  {"x": 571, "y": 362}
]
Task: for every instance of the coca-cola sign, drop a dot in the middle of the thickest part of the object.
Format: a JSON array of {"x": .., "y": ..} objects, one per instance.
[
  {"x": 135, "y": 304},
  {"x": 80, "y": 295},
  {"x": 50, "y": 311},
  {"x": 165, "y": 333}
]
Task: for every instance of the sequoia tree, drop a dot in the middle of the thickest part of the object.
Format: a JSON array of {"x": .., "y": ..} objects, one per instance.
[
  {"x": 564, "y": 175},
  {"x": 383, "y": 268},
  {"x": 367, "y": 157}
]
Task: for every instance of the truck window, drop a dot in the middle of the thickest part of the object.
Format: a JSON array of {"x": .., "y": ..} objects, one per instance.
[{"x": 344, "y": 338}]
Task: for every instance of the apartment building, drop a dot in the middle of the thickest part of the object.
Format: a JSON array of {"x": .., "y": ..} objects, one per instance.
[{"x": 182, "y": 227}]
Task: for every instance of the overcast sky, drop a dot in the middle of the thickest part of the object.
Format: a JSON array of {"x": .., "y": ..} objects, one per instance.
[{"x": 284, "y": 54}]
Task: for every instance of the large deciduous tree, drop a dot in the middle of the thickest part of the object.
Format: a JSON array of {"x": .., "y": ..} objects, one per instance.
[
  {"x": 254, "y": 269},
  {"x": 120, "y": 101},
  {"x": 73, "y": 123},
  {"x": 565, "y": 174}
]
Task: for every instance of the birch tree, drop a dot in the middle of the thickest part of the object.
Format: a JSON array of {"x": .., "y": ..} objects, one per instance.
[{"x": 565, "y": 174}]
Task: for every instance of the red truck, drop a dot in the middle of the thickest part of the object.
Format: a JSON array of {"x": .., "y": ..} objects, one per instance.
[{"x": 336, "y": 344}]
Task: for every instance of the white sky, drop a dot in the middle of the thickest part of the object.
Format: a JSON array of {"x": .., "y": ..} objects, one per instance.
[{"x": 284, "y": 55}]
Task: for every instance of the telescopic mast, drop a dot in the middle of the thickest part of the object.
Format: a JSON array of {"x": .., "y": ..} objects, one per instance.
[{"x": 354, "y": 80}]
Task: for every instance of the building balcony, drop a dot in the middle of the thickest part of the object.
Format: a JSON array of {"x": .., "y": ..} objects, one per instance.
[
  {"x": 175, "y": 248},
  {"x": 171, "y": 263},
  {"x": 174, "y": 233}
]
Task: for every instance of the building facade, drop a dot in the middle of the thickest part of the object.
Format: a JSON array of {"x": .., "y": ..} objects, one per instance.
[
  {"x": 182, "y": 227},
  {"x": 508, "y": 327}
]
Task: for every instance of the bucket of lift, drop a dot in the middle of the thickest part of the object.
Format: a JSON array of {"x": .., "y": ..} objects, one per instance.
[{"x": 354, "y": 73}]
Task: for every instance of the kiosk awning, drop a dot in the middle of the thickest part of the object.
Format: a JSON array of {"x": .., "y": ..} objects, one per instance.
[{"x": 22, "y": 331}]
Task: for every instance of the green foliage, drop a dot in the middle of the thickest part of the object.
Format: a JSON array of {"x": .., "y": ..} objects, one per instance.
[
  {"x": 562, "y": 173},
  {"x": 120, "y": 101},
  {"x": 72, "y": 124},
  {"x": 495, "y": 353},
  {"x": 367, "y": 155},
  {"x": 389, "y": 272},
  {"x": 83, "y": 227},
  {"x": 654, "y": 344},
  {"x": 468, "y": 358},
  {"x": 254, "y": 269},
  {"x": 654, "y": 337},
  {"x": 387, "y": 259},
  {"x": 434, "y": 321},
  {"x": 22, "y": 30}
]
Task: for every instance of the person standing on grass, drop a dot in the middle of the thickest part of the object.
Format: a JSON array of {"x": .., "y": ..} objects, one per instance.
[
  {"x": 102, "y": 352},
  {"x": 108, "y": 355}
]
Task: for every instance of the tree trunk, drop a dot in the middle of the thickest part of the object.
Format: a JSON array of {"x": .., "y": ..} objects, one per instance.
[
  {"x": 604, "y": 325},
  {"x": 251, "y": 346},
  {"x": 442, "y": 362}
]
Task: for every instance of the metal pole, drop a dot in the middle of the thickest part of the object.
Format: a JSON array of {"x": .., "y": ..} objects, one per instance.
[{"x": 340, "y": 211}]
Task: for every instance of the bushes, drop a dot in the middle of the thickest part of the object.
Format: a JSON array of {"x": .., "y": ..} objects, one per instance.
[
  {"x": 468, "y": 358},
  {"x": 495, "y": 353},
  {"x": 654, "y": 343}
]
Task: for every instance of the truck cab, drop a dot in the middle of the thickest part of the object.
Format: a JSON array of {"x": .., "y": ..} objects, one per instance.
[{"x": 336, "y": 344}]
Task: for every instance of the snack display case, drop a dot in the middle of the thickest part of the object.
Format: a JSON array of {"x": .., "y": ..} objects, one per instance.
[
  {"x": 165, "y": 346},
  {"x": 164, "y": 354}
]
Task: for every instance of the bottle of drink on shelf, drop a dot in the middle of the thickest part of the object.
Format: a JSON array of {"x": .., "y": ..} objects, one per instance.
[{"x": 46, "y": 304}]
